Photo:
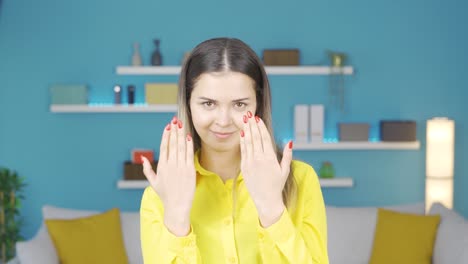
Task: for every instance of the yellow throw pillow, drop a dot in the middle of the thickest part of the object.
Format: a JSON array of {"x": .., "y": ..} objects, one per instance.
[
  {"x": 93, "y": 239},
  {"x": 404, "y": 238}
]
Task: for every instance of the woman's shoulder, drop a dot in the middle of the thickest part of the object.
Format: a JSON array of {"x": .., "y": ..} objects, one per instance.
[{"x": 303, "y": 172}]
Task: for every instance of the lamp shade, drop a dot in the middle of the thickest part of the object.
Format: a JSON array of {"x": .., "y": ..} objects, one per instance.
[{"x": 440, "y": 145}]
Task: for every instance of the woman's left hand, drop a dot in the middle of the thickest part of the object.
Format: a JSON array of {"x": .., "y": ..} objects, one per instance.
[{"x": 263, "y": 175}]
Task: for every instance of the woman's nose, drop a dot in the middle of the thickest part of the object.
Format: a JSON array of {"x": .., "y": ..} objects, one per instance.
[{"x": 224, "y": 117}]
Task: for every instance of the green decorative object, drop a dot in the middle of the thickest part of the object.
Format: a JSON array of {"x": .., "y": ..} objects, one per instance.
[
  {"x": 327, "y": 170},
  {"x": 11, "y": 188}
]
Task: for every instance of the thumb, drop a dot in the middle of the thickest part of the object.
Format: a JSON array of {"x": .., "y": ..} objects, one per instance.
[
  {"x": 148, "y": 171},
  {"x": 287, "y": 158}
]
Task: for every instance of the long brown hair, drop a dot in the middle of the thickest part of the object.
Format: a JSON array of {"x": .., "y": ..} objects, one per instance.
[{"x": 229, "y": 54}]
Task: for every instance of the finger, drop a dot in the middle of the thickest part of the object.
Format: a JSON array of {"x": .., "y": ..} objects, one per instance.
[
  {"x": 172, "y": 149},
  {"x": 247, "y": 139},
  {"x": 256, "y": 137},
  {"x": 164, "y": 143},
  {"x": 267, "y": 143},
  {"x": 287, "y": 158},
  {"x": 181, "y": 146},
  {"x": 189, "y": 149},
  {"x": 242, "y": 148},
  {"x": 148, "y": 171}
]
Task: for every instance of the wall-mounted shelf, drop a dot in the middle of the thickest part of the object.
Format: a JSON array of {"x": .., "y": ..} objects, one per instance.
[
  {"x": 113, "y": 109},
  {"x": 272, "y": 70},
  {"x": 365, "y": 145},
  {"x": 335, "y": 182}
]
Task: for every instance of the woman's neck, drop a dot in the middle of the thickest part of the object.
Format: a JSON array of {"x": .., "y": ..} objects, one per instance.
[{"x": 226, "y": 164}]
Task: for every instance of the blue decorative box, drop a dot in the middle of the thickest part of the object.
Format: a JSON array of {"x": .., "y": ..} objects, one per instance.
[{"x": 69, "y": 94}]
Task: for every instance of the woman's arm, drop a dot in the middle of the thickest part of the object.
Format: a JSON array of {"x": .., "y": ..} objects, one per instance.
[
  {"x": 158, "y": 244},
  {"x": 305, "y": 239}
]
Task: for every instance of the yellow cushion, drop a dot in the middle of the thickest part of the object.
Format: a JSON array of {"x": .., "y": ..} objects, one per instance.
[
  {"x": 404, "y": 238},
  {"x": 94, "y": 239}
]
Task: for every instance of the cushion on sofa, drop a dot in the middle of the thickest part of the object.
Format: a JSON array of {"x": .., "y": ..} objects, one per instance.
[
  {"x": 351, "y": 231},
  {"x": 40, "y": 249},
  {"x": 452, "y": 236},
  {"x": 93, "y": 239},
  {"x": 404, "y": 238}
]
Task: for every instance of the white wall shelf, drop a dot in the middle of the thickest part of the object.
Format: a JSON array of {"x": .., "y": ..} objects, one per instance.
[
  {"x": 272, "y": 70},
  {"x": 365, "y": 145},
  {"x": 335, "y": 182},
  {"x": 113, "y": 108}
]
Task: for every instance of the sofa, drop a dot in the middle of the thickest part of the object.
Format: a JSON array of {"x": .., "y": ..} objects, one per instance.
[{"x": 350, "y": 235}]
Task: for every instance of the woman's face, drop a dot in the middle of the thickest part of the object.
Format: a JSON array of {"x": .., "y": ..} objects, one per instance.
[{"x": 218, "y": 102}]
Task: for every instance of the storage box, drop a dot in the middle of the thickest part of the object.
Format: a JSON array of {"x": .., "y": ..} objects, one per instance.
[
  {"x": 301, "y": 123},
  {"x": 69, "y": 94},
  {"x": 353, "y": 131},
  {"x": 400, "y": 130},
  {"x": 138, "y": 153},
  {"x": 278, "y": 57},
  {"x": 135, "y": 171},
  {"x": 317, "y": 119},
  {"x": 161, "y": 93}
]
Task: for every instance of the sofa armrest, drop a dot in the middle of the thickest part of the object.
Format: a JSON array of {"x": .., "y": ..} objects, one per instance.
[{"x": 13, "y": 261}]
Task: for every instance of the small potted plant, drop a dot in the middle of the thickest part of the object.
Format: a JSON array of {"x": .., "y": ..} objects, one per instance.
[{"x": 11, "y": 188}]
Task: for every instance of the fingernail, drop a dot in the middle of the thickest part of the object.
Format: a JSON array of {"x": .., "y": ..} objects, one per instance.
[
  {"x": 249, "y": 114},
  {"x": 168, "y": 127},
  {"x": 189, "y": 137},
  {"x": 290, "y": 144},
  {"x": 242, "y": 133},
  {"x": 174, "y": 120},
  {"x": 245, "y": 119},
  {"x": 179, "y": 124},
  {"x": 257, "y": 119}
]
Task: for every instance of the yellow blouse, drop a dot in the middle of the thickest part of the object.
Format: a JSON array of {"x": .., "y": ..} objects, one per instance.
[{"x": 299, "y": 236}]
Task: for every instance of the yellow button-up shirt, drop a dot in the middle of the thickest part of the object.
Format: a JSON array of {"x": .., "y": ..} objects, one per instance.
[{"x": 220, "y": 236}]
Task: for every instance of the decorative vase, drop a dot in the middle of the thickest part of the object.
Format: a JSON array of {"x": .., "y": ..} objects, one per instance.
[
  {"x": 156, "y": 58},
  {"x": 136, "y": 57},
  {"x": 327, "y": 170}
]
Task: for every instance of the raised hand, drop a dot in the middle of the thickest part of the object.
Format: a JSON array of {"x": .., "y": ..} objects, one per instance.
[
  {"x": 263, "y": 175},
  {"x": 175, "y": 179}
]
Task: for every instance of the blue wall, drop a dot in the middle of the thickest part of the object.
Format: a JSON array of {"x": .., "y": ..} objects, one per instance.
[{"x": 411, "y": 60}]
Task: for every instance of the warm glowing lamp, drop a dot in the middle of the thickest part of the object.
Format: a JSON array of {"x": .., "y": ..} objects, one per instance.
[{"x": 440, "y": 145}]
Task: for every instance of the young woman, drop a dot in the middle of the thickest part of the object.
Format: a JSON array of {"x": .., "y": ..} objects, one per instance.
[{"x": 225, "y": 194}]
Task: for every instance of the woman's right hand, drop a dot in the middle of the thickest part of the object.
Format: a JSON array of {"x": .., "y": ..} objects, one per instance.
[{"x": 175, "y": 179}]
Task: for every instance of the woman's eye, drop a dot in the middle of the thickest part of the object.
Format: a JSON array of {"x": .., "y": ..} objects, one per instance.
[
  {"x": 240, "y": 105},
  {"x": 208, "y": 104}
]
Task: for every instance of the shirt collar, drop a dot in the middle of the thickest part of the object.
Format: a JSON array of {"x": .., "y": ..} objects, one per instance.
[{"x": 204, "y": 172}]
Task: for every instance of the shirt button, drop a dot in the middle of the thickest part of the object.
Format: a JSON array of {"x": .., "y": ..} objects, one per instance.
[
  {"x": 232, "y": 260},
  {"x": 227, "y": 222},
  {"x": 261, "y": 235}
]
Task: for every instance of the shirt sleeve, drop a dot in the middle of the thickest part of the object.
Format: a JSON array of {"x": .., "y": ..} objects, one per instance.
[
  {"x": 158, "y": 244},
  {"x": 305, "y": 242}
]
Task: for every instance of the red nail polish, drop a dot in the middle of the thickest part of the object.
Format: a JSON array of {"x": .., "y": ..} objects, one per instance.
[
  {"x": 257, "y": 119},
  {"x": 245, "y": 119},
  {"x": 174, "y": 120},
  {"x": 189, "y": 137},
  {"x": 168, "y": 127},
  {"x": 290, "y": 144},
  {"x": 242, "y": 133},
  {"x": 249, "y": 114},
  {"x": 179, "y": 124}
]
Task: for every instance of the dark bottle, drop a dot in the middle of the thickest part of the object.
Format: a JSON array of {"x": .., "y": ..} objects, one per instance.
[
  {"x": 131, "y": 94},
  {"x": 156, "y": 58}
]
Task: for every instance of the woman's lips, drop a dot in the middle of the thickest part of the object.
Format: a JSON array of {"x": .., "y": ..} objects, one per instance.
[{"x": 222, "y": 135}]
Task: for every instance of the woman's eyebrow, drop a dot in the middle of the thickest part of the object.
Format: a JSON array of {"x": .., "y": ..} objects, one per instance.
[{"x": 236, "y": 100}]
